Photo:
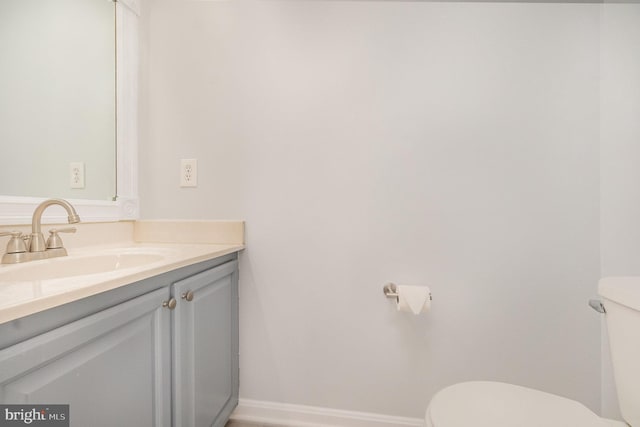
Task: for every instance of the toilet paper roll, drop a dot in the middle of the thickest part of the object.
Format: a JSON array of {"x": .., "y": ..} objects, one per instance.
[{"x": 414, "y": 299}]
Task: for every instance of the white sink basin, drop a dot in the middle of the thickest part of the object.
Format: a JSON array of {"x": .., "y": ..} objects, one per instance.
[
  {"x": 78, "y": 265},
  {"x": 35, "y": 286}
]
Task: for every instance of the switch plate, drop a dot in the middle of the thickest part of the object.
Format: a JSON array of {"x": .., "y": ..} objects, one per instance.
[
  {"x": 76, "y": 174},
  {"x": 188, "y": 173}
]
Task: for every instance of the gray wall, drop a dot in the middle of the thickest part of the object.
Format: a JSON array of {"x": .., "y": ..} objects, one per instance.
[
  {"x": 620, "y": 153},
  {"x": 448, "y": 144}
]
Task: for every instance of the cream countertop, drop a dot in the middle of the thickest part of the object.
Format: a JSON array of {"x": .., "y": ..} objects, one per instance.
[{"x": 164, "y": 243}]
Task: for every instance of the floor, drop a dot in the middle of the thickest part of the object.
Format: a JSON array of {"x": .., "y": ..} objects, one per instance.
[{"x": 246, "y": 424}]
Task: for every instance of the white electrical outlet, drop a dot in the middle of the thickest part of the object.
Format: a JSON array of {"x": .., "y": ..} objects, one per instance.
[
  {"x": 188, "y": 173},
  {"x": 76, "y": 174}
]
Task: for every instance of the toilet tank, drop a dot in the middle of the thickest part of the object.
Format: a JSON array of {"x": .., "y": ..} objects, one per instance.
[{"x": 621, "y": 300}]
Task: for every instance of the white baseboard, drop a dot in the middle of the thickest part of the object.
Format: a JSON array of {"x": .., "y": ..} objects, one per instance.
[{"x": 288, "y": 415}]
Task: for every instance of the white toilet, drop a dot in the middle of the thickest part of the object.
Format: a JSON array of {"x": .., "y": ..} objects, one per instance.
[{"x": 494, "y": 404}]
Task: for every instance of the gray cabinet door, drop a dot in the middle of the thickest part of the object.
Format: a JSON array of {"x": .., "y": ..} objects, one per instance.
[
  {"x": 112, "y": 367},
  {"x": 205, "y": 348}
]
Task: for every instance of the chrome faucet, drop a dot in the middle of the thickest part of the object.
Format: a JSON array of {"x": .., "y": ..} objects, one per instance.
[
  {"x": 18, "y": 251},
  {"x": 37, "y": 243}
]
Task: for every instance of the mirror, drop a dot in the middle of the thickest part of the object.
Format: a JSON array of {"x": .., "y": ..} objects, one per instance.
[{"x": 58, "y": 102}]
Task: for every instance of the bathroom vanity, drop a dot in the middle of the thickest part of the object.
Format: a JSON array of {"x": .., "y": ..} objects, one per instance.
[{"x": 156, "y": 349}]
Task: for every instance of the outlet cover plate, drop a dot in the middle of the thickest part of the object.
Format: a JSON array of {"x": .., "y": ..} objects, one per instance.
[
  {"x": 76, "y": 174},
  {"x": 188, "y": 173}
]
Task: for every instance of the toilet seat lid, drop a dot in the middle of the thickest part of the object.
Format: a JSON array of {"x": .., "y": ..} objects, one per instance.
[{"x": 494, "y": 404}]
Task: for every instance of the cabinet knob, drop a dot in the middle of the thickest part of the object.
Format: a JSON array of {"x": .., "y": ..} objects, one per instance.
[
  {"x": 171, "y": 304},
  {"x": 188, "y": 296}
]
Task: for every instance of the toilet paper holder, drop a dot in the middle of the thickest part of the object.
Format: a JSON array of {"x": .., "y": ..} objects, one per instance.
[{"x": 391, "y": 291}]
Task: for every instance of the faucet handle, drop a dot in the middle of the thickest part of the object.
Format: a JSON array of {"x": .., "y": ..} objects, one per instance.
[
  {"x": 54, "y": 241},
  {"x": 63, "y": 230},
  {"x": 16, "y": 243}
]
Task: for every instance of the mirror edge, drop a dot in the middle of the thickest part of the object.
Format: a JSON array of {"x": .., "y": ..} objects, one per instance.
[
  {"x": 127, "y": 79},
  {"x": 19, "y": 210}
]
